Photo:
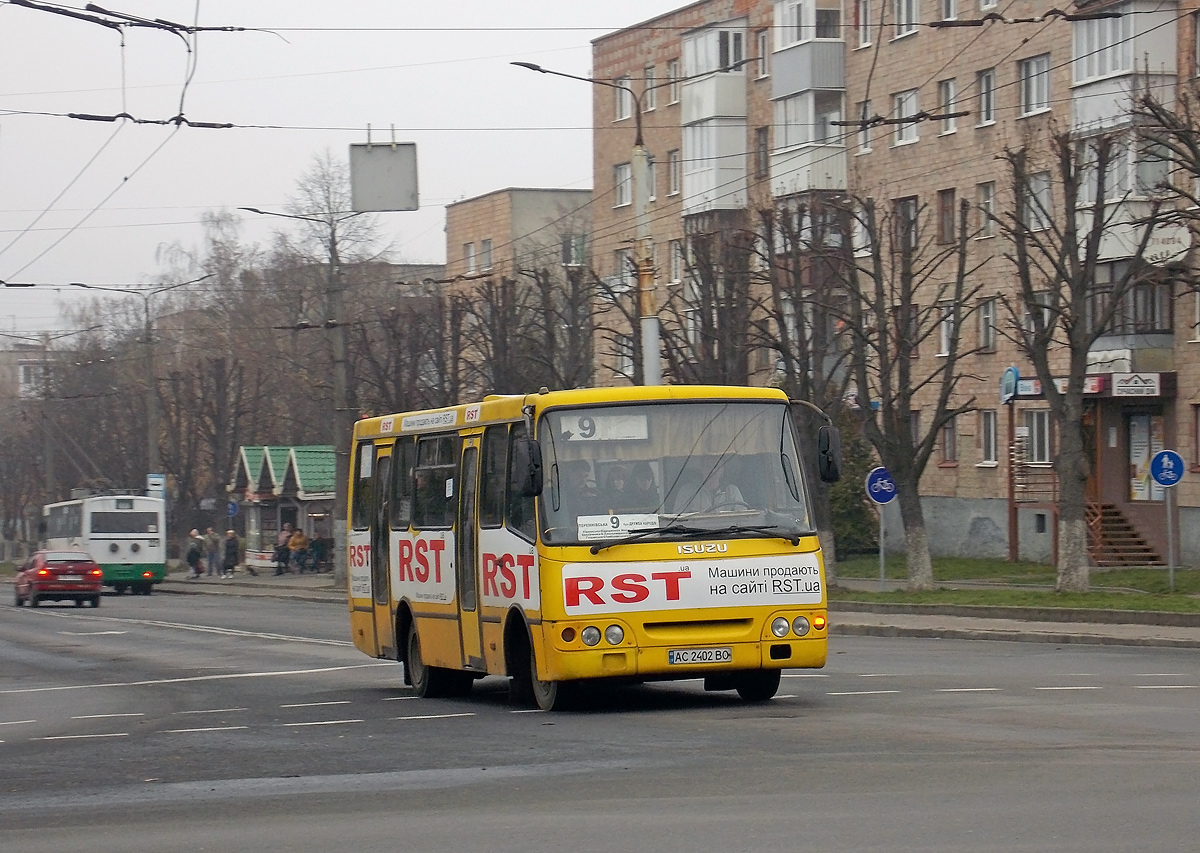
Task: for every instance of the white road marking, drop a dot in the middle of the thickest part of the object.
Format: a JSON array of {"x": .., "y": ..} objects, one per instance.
[
  {"x": 316, "y": 704},
  {"x": 786, "y": 696},
  {"x": 968, "y": 690},
  {"x": 214, "y": 711},
  {"x": 192, "y": 678},
  {"x": 398, "y": 698},
  {"x": 1163, "y": 674},
  {"x": 92, "y": 633},
  {"x": 104, "y": 716},
  {"x": 209, "y": 729},
  {"x": 434, "y": 716},
  {"x": 184, "y": 626},
  {"x": 80, "y": 737},
  {"x": 806, "y": 675},
  {"x": 324, "y": 723},
  {"x": 16, "y": 722},
  {"x": 518, "y": 711},
  {"x": 1167, "y": 686},
  {"x": 862, "y": 692},
  {"x": 1080, "y": 687}
]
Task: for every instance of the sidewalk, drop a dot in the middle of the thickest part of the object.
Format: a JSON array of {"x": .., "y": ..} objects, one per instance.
[{"x": 1039, "y": 625}]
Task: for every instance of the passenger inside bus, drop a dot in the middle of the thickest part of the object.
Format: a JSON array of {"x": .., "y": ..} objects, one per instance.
[
  {"x": 640, "y": 492},
  {"x": 579, "y": 495}
]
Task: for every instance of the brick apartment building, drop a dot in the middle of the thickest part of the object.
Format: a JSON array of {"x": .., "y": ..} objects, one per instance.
[{"x": 749, "y": 104}]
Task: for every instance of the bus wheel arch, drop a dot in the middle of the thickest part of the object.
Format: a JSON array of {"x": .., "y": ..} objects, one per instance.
[
  {"x": 404, "y": 620},
  {"x": 520, "y": 661}
]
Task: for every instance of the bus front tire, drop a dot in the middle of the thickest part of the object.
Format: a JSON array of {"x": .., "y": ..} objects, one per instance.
[
  {"x": 550, "y": 695},
  {"x": 758, "y": 685}
]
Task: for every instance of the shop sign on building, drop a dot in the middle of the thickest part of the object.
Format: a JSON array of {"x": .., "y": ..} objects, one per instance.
[{"x": 1136, "y": 385}]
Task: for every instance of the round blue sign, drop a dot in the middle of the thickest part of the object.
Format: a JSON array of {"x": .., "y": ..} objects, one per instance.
[
  {"x": 1008, "y": 385},
  {"x": 881, "y": 488},
  {"x": 232, "y": 509},
  {"x": 1166, "y": 468}
]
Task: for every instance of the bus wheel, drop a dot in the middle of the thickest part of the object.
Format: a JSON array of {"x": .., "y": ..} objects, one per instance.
[
  {"x": 758, "y": 685},
  {"x": 33, "y": 599},
  {"x": 549, "y": 695},
  {"x": 95, "y": 601},
  {"x": 120, "y": 588},
  {"x": 432, "y": 682},
  {"x": 17, "y": 600}
]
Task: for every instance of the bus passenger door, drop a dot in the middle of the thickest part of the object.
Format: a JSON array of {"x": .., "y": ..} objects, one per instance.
[
  {"x": 381, "y": 552},
  {"x": 466, "y": 560}
]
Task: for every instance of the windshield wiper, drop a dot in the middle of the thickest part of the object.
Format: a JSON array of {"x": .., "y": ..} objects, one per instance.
[
  {"x": 679, "y": 531},
  {"x": 683, "y": 531}
]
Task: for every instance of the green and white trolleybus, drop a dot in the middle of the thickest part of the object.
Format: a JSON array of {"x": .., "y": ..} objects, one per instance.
[{"x": 126, "y": 534}]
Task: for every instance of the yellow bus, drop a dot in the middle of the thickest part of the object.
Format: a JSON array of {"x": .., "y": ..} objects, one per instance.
[{"x": 623, "y": 534}]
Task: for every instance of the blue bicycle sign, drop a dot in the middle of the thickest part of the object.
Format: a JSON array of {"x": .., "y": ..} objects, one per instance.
[
  {"x": 881, "y": 488},
  {"x": 1166, "y": 468}
]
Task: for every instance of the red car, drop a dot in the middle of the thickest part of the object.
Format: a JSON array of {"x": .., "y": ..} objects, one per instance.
[{"x": 58, "y": 576}]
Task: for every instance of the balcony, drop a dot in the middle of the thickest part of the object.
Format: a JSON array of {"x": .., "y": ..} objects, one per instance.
[
  {"x": 808, "y": 167},
  {"x": 719, "y": 95}
]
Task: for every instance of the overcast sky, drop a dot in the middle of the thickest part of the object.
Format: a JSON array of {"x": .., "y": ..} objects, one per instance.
[{"x": 99, "y": 202}]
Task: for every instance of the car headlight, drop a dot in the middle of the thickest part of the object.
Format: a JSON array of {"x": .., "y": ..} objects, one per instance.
[
  {"x": 779, "y": 626},
  {"x": 590, "y": 635},
  {"x": 614, "y": 634},
  {"x": 800, "y": 626}
]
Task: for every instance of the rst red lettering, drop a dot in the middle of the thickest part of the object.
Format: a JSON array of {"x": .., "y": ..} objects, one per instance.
[
  {"x": 589, "y": 588},
  {"x": 405, "y": 560},
  {"x": 437, "y": 546},
  {"x": 633, "y": 589},
  {"x": 489, "y": 574},
  {"x": 508, "y": 584},
  {"x": 671, "y": 581},
  {"x": 421, "y": 552},
  {"x": 525, "y": 561}
]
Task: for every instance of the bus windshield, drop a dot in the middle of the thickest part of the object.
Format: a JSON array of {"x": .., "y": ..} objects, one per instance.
[
  {"x": 125, "y": 522},
  {"x": 669, "y": 470}
]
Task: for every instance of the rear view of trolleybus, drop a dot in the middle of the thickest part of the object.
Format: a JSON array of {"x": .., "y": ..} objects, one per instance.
[
  {"x": 633, "y": 534},
  {"x": 125, "y": 534}
]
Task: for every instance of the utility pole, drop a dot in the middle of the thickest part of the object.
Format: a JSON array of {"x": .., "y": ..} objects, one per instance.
[{"x": 343, "y": 415}]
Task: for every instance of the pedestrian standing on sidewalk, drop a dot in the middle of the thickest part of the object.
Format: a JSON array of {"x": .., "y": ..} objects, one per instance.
[
  {"x": 282, "y": 554},
  {"x": 232, "y": 552},
  {"x": 212, "y": 550},
  {"x": 195, "y": 552}
]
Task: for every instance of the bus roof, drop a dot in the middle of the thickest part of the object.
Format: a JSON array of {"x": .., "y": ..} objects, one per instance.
[{"x": 501, "y": 408}]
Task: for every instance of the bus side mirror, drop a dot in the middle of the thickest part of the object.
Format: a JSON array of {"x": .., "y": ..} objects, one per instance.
[
  {"x": 829, "y": 454},
  {"x": 526, "y": 468}
]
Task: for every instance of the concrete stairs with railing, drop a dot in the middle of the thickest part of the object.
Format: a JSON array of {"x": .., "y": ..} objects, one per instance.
[{"x": 1114, "y": 542}]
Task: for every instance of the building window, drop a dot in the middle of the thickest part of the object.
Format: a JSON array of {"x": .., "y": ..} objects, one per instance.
[
  {"x": 908, "y": 17},
  {"x": 789, "y": 22},
  {"x": 574, "y": 250},
  {"x": 945, "y": 328},
  {"x": 624, "y": 103},
  {"x": 987, "y": 325},
  {"x": 485, "y": 254},
  {"x": 676, "y": 261},
  {"x": 469, "y": 257},
  {"x": 762, "y": 152},
  {"x": 673, "y": 172},
  {"x": 1035, "y": 212},
  {"x": 904, "y": 106},
  {"x": 624, "y": 355},
  {"x": 988, "y": 4},
  {"x": 829, "y": 23},
  {"x": 713, "y": 50},
  {"x": 985, "y": 198},
  {"x": 988, "y": 450},
  {"x": 1034, "y": 74},
  {"x": 949, "y": 10},
  {"x": 1145, "y": 306},
  {"x": 915, "y": 421},
  {"x": 673, "y": 81},
  {"x": 862, "y": 21},
  {"x": 652, "y": 178},
  {"x": 649, "y": 93},
  {"x": 1037, "y": 442},
  {"x": 947, "y": 100},
  {"x": 623, "y": 183},
  {"x": 946, "y": 216},
  {"x": 985, "y": 84},
  {"x": 1103, "y": 46},
  {"x": 624, "y": 272},
  {"x": 864, "y": 130},
  {"x": 791, "y": 121},
  {"x": 950, "y": 442},
  {"x": 905, "y": 210},
  {"x": 763, "y": 39}
]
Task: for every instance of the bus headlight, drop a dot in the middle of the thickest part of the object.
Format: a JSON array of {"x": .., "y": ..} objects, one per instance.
[
  {"x": 800, "y": 626},
  {"x": 779, "y": 626},
  {"x": 590, "y": 635},
  {"x": 614, "y": 634}
]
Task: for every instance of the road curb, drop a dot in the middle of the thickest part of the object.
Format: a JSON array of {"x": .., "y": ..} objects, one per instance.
[
  {"x": 1026, "y": 614},
  {"x": 1016, "y": 635}
]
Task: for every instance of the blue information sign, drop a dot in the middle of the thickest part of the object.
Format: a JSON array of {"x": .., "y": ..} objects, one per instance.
[
  {"x": 1166, "y": 468},
  {"x": 881, "y": 488},
  {"x": 232, "y": 509}
]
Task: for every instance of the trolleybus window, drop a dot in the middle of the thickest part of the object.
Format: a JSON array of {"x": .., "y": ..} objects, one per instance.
[
  {"x": 364, "y": 486},
  {"x": 520, "y": 513},
  {"x": 437, "y": 461},
  {"x": 402, "y": 484},
  {"x": 491, "y": 496},
  {"x": 124, "y": 522}
]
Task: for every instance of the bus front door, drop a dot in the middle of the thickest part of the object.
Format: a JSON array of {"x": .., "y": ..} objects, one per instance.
[
  {"x": 467, "y": 560},
  {"x": 381, "y": 593}
]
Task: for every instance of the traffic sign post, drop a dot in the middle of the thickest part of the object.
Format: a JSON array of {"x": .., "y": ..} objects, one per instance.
[
  {"x": 881, "y": 488},
  {"x": 1166, "y": 469}
]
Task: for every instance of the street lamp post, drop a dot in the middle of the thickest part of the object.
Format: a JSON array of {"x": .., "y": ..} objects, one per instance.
[
  {"x": 643, "y": 246},
  {"x": 344, "y": 414},
  {"x": 153, "y": 462}
]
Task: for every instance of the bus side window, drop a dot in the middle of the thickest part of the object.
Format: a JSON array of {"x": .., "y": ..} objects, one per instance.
[
  {"x": 494, "y": 465},
  {"x": 402, "y": 484},
  {"x": 520, "y": 512},
  {"x": 364, "y": 486},
  {"x": 437, "y": 464}
]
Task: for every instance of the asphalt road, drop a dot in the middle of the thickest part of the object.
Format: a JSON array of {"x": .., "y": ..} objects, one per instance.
[{"x": 224, "y": 723}]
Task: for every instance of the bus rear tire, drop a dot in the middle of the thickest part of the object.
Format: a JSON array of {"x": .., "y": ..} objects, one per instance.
[
  {"x": 433, "y": 682},
  {"x": 758, "y": 685}
]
